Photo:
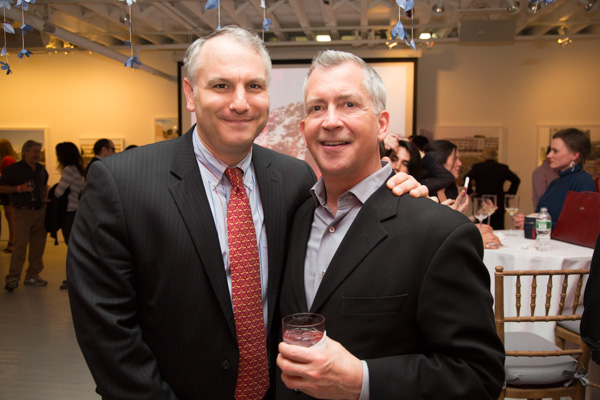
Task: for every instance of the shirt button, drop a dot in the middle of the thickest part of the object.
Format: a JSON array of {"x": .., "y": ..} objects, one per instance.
[
  {"x": 225, "y": 365},
  {"x": 331, "y": 229}
]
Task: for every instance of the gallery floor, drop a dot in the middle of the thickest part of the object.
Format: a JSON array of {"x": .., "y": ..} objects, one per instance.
[{"x": 39, "y": 355}]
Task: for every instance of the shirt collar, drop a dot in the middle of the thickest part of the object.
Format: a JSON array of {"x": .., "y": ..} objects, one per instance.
[
  {"x": 216, "y": 166},
  {"x": 362, "y": 190}
]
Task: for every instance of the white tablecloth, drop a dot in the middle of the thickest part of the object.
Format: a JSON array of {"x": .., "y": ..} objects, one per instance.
[{"x": 520, "y": 254}]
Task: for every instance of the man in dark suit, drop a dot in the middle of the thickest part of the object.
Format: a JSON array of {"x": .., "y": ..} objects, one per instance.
[
  {"x": 400, "y": 281},
  {"x": 590, "y": 321},
  {"x": 488, "y": 177},
  {"x": 102, "y": 148},
  {"x": 148, "y": 265}
]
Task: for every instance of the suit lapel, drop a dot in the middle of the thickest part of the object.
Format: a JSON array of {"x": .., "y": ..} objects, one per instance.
[
  {"x": 270, "y": 186},
  {"x": 297, "y": 255},
  {"x": 365, "y": 234},
  {"x": 190, "y": 198}
]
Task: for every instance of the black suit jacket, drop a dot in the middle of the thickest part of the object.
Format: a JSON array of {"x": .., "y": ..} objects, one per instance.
[
  {"x": 407, "y": 292},
  {"x": 147, "y": 285},
  {"x": 590, "y": 321},
  {"x": 488, "y": 177}
]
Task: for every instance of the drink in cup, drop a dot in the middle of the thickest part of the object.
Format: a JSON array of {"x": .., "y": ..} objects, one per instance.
[{"x": 303, "y": 329}]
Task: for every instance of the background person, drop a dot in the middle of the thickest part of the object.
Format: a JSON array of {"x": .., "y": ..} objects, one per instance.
[
  {"x": 70, "y": 164},
  {"x": 102, "y": 148},
  {"x": 27, "y": 183},
  {"x": 370, "y": 263},
  {"x": 541, "y": 178},
  {"x": 489, "y": 177},
  {"x": 443, "y": 153},
  {"x": 7, "y": 157},
  {"x": 569, "y": 150}
]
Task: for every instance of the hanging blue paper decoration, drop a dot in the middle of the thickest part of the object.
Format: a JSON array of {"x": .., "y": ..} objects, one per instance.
[
  {"x": 210, "y": 4},
  {"x": 24, "y": 28},
  {"x": 5, "y": 67},
  {"x": 25, "y": 3},
  {"x": 132, "y": 61},
  {"x": 5, "y": 5},
  {"x": 398, "y": 31},
  {"x": 267, "y": 23}
]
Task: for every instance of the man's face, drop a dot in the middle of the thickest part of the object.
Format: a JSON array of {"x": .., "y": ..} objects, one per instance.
[
  {"x": 32, "y": 156},
  {"x": 108, "y": 150},
  {"x": 340, "y": 128},
  {"x": 231, "y": 100}
]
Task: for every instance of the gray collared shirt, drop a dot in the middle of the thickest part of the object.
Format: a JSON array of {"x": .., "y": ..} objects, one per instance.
[{"x": 328, "y": 231}]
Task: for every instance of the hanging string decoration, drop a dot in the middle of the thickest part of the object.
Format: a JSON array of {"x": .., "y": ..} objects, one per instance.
[
  {"x": 4, "y": 66},
  {"x": 267, "y": 23},
  {"x": 398, "y": 32},
  {"x": 211, "y": 4},
  {"x": 132, "y": 61},
  {"x": 24, "y": 4}
]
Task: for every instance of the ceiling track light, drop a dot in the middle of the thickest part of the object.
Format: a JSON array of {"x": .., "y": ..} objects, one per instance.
[
  {"x": 438, "y": 8},
  {"x": 513, "y": 6},
  {"x": 589, "y": 5},
  {"x": 534, "y": 6}
]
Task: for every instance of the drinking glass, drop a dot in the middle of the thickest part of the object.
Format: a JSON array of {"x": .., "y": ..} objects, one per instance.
[
  {"x": 479, "y": 210},
  {"x": 32, "y": 185},
  {"x": 491, "y": 204},
  {"x": 303, "y": 329},
  {"x": 511, "y": 205}
]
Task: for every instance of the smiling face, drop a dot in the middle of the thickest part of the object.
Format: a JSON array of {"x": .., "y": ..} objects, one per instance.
[
  {"x": 453, "y": 163},
  {"x": 231, "y": 100},
  {"x": 560, "y": 155},
  {"x": 340, "y": 128},
  {"x": 400, "y": 160},
  {"x": 32, "y": 156}
]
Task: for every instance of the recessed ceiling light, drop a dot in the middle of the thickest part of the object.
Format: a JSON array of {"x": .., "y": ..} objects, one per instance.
[{"x": 323, "y": 38}]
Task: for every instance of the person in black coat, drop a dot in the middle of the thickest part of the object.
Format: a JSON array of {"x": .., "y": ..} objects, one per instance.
[
  {"x": 590, "y": 321},
  {"x": 488, "y": 177}
]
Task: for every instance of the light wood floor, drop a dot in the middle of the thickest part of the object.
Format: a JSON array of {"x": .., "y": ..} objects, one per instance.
[{"x": 39, "y": 355}]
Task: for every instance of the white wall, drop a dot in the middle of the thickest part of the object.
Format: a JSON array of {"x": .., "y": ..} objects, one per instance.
[{"x": 518, "y": 86}]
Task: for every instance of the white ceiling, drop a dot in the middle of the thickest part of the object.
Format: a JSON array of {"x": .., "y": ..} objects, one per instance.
[{"x": 102, "y": 26}]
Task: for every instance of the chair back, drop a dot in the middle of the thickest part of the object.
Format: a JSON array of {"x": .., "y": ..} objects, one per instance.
[{"x": 542, "y": 309}]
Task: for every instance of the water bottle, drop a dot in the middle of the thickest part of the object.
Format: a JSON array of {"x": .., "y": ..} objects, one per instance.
[{"x": 543, "y": 227}]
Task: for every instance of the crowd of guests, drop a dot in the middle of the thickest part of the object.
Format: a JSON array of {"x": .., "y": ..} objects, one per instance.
[{"x": 24, "y": 195}]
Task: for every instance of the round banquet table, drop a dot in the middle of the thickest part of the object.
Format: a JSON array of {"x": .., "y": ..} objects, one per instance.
[{"x": 519, "y": 253}]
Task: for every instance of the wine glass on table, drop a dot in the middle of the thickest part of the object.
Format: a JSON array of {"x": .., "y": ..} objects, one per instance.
[
  {"x": 491, "y": 204},
  {"x": 479, "y": 210},
  {"x": 511, "y": 205},
  {"x": 304, "y": 329}
]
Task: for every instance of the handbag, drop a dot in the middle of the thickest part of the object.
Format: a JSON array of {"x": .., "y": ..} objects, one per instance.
[{"x": 579, "y": 219}]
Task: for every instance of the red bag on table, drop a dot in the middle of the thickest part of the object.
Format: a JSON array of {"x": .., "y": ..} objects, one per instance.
[{"x": 579, "y": 219}]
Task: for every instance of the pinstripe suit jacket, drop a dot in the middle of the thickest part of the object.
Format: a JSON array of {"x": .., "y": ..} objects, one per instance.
[{"x": 147, "y": 285}]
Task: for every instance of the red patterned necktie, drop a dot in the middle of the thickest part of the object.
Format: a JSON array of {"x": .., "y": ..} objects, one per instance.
[{"x": 253, "y": 373}]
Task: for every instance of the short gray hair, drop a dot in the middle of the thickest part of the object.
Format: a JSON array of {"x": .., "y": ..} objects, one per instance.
[
  {"x": 192, "y": 62},
  {"x": 372, "y": 81},
  {"x": 28, "y": 145}
]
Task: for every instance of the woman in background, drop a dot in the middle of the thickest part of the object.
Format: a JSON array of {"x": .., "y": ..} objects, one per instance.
[
  {"x": 70, "y": 164},
  {"x": 7, "y": 157},
  {"x": 444, "y": 153},
  {"x": 568, "y": 151}
]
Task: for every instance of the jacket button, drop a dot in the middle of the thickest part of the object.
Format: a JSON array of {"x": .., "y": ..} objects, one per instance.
[{"x": 225, "y": 365}]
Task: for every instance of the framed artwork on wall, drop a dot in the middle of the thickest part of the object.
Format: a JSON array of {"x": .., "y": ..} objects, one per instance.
[
  {"x": 166, "y": 129},
  {"x": 18, "y": 136}
]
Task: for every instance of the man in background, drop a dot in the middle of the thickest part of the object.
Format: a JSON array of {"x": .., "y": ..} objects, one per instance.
[
  {"x": 102, "y": 148},
  {"x": 489, "y": 177},
  {"x": 26, "y": 182},
  {"x": 400, "y": 281}
]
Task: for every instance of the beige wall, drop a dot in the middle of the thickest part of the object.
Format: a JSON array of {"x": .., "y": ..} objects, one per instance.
[
  {"x": 86, "y": 96},
  {"x": 519, "y": 87}
]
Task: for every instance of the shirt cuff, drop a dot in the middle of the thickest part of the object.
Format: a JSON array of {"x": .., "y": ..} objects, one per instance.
[{"x": 364, "y": 392}]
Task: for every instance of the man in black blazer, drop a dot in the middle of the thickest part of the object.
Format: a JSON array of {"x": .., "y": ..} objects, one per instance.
[
  {"x": 590, "y": 321},
  {"x": 400, "y": 281},
  {"x": 148, "y": 266}
]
